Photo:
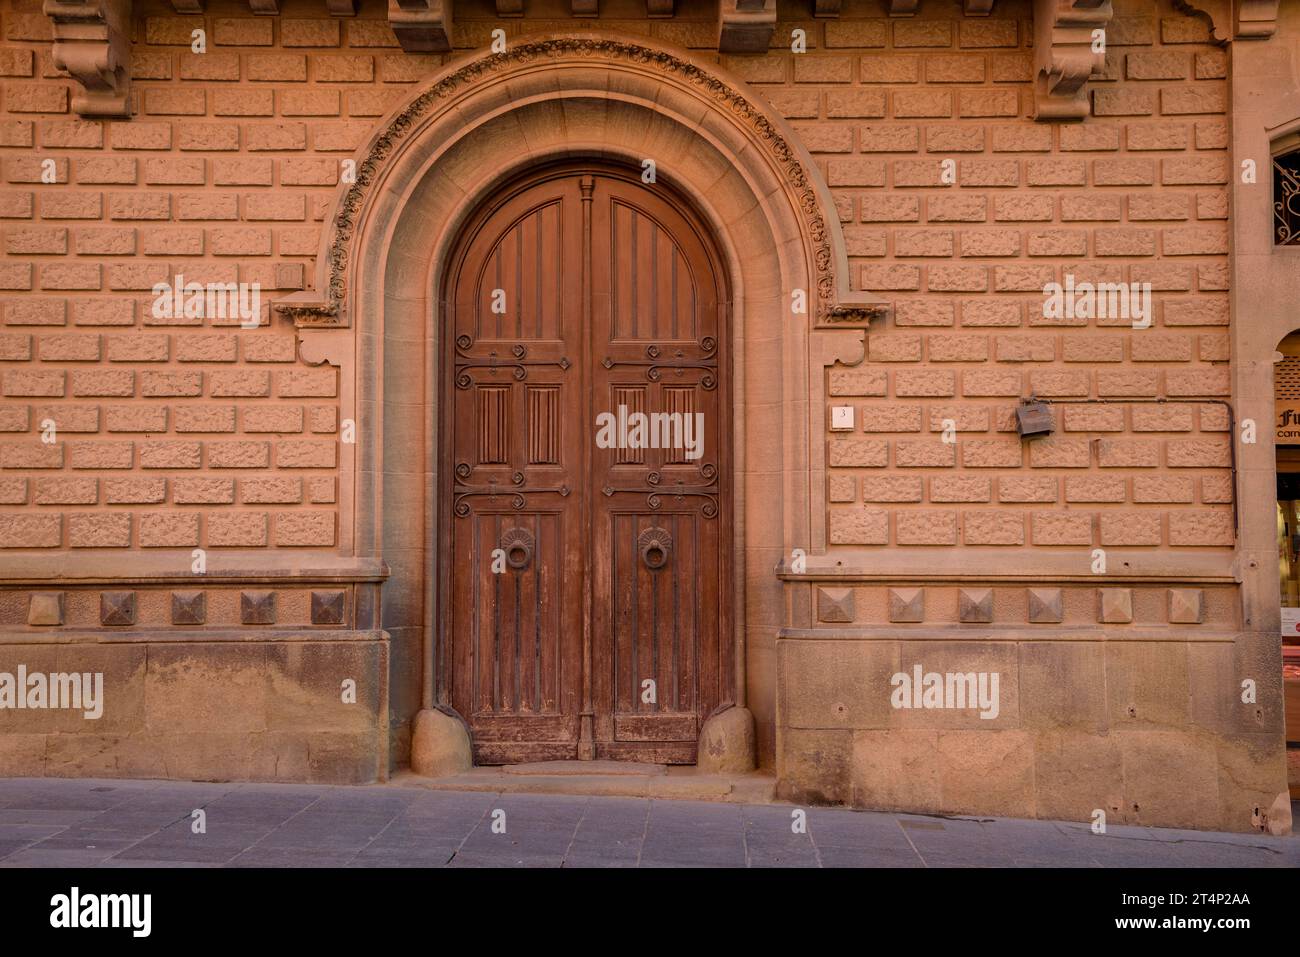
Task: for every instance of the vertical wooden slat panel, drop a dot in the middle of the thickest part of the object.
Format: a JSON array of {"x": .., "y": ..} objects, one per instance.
[
  {"x": 543, "y": 425},
  {"x": 633, "y": 398},
  {"x": 493, "y": 425}
]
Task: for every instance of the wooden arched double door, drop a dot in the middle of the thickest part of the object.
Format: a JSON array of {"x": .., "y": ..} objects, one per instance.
[{"x": 587, "y": 570}]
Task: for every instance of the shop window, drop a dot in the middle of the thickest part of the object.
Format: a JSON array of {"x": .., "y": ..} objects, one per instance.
[{"x": 1286, "y": 399}]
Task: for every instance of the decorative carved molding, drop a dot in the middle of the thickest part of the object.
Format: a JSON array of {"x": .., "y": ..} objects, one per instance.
[
  {"x": 1115, "y": 606},
  {"x": 510, "y": 8},
  {"x": 324, "y": 309},
  {"x": 92, "y": 41},
  {"x": 264, "y": 8},
  {"x": 257, "y": 607},
  {"x": 1046, "y": 606},
  {"x": 1186, "y": 606},
  {"x": 189, "y": 607},
  {"x": 907, "y": 604},
  {"x": 1235, "y": 19},
  {"x": 327, "y": 607},
  {"x": 45, "y": 608},
  {"x": 584, "y": 8},
  {"x": 835, "y": 605},
  {"x": 850, "y": 316},
  {"x": 659, "y": 8},
  {"x": 903, "y": 8},
  {"x": 421, "y": 26},
  {"x": 975, "y": 605},
  {"x": 1065, "y": 56},
  {"x": 746, "y": 26},
  {"x": 117, "y": 608}
]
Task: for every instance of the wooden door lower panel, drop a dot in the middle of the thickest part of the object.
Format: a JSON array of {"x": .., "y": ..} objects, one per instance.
[
  {"x": 648, "y": 752},
  {"x": 655, "y": 628},
  {"x": 514, "y": 740},
  {"x": 518, "y": 672}
]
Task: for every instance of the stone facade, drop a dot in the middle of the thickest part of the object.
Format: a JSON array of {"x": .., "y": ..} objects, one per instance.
[{"x": 237, "y": 519}]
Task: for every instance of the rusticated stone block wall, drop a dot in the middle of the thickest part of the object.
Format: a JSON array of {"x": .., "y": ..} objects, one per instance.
[
  {"x": 189, "y": 432},
  {"x": 1123, "y": 698}
]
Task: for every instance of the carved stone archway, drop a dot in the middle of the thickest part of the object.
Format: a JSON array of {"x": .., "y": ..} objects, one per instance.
[{"x": 374, "y": 312}]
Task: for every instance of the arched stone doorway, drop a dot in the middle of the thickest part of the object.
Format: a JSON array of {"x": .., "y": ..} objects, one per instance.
[{"x": 375, "y": 312}]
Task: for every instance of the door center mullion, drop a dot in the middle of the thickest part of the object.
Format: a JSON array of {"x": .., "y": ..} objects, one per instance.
[{"x": 586, "y": 730}]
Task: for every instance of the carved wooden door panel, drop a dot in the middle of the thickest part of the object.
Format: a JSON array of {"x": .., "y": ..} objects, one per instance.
[
  {"x": 658, "y": 513},
  {"x": 516, "y": 425},
  {"x": 577, "y": 573}
]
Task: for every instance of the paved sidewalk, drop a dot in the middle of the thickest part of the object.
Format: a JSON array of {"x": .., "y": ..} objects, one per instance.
[{"x": 47, "y": 822}]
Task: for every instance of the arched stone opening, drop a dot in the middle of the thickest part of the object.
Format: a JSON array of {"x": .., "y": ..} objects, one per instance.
[{"x": 376, "y": 312}]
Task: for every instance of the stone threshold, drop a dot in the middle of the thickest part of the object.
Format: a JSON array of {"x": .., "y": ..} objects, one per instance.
[{"x": 603, "y": 779}]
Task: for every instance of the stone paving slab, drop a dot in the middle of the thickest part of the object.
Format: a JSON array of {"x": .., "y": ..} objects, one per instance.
[{"x": 96, "y": 823}]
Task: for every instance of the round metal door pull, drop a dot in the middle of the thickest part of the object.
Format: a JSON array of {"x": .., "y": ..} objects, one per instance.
[
  {"x": 656, "y": 545},
  {"x": 518, "y": 546}
]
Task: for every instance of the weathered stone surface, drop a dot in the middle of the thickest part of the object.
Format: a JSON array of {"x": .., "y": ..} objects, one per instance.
[
  {"x": 1170, "y": 777},
  {"x": 439, "y": 745},
  {"x": 834, "y": 683},
  {"x": 897, "y": 770},
  {"x": 727, "y": 744},
  {"x": 1063, "y": 685},
  {"x": 1077, "y": 773},
  {"x": 815, "y": 766}
]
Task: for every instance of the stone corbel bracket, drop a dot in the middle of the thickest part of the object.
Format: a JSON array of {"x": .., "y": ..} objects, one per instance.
[
  {"x": 92, "y": 41},
  {"x": 421, "y": 26},
  {"x": 1235, "y": 19},
  {"x": 746, "y": 26},
  {"x": 1066, "y": 55}
]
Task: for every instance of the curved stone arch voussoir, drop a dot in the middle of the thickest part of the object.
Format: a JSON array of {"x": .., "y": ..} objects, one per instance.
[{"x": 628, "y": 70}]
